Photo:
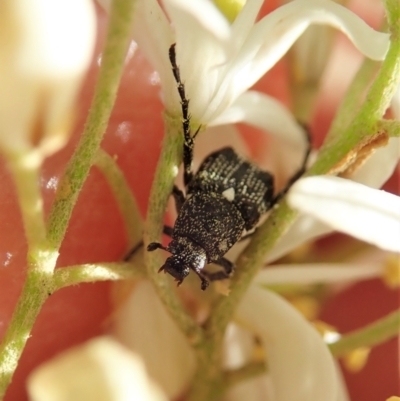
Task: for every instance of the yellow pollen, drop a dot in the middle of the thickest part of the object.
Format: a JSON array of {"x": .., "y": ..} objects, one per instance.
[
  {"x": 307, "y": 306},
  {"x": 391, "y": 275},
  {"x": 393, "y": 398},
  {"x": 230, "y": 8},
  {"x": 355, "y": 360}
]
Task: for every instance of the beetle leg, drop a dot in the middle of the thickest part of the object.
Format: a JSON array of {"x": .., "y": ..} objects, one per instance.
[
  {"x": 298, "y": 173},
  {"x": 132, "y": 251},
  {"x": 179, "y": 198},
  {"x": 156, "y": 245},
  {"x": 201, "y": 274},
  {"x": 226, "y": 264},
  {"x": 167, "y": 230}
]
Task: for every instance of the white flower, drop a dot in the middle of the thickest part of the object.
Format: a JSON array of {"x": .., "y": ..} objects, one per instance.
[
  {"x": 101, "y": 369},
  {"x": 142, "y": 324},
  {"x": 373, "y": 173},
  {"x": 369, "y": 214},
  {"x": 42, "y": 63},
  {"x": 219, "y": 62},
  {"x": 299, "y": 363}
]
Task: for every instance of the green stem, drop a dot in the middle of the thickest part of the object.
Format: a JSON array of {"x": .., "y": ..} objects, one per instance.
[
  {"x": 247, "y": 372},
  {"x": 36, "y": 290},
  {"x": 89, "y": 273},
  {"x": 171, "y": 156},
  {"x": 249, "y": 263},
  {"x": 77, "y": 170},
  {"x": 352, "y": 99},
  {"x": 374, "y": 334},
  {"x": 25, "y": 169},
  {"x": 123, "y": 196}
]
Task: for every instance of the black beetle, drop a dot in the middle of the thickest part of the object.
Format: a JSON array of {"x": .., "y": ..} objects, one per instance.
[{"x": 224, "y": 199}]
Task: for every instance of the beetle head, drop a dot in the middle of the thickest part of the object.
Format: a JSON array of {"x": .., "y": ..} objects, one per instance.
[{"x": 175, "y": 266}]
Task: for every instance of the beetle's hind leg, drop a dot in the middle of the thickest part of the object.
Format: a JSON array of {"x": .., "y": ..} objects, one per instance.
[{"x": 298, "y": 173}]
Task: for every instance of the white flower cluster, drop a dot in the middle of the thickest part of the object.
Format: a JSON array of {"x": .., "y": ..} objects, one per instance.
[{"x": 220, "y": 61}]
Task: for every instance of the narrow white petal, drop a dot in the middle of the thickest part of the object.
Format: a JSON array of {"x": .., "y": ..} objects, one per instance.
[
  {"x": 300, "y": 365},
  {"x": 143, "y": 325},
  {"x": 380, "y": 166},
  {"x": 264, "y": 112},
  {"x": 274, "y": 35},
  {"x": 202, "y": 44},
  {"x": 316, "y": 273},
  {"x": 368, "y": 214},
  {"x": 244, "y": 22},
  {"x": 305, "y": 228},
  {"x": 101, "y": 369},
  {"x": 153, "y": 34}
]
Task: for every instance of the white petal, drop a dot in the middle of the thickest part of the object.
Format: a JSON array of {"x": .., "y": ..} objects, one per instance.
[
  {"x": 244, "y": 22},
  {"x": 202, "y": 44},
  {"x": 238, "y": 347},
  {"x": 101, "y": 369},
  {"x": 380, "y": 166},
  {"x": 238, "y": 350},
  {"x": 42, "y": 64},
  {"x": 300, "y": 365},
  {"x": 153, "y": 34},
  {"x": 143, "y": 325},
  {"x": 275, "y": 34},
  {"x": 264, "y": 112},
  {"x": 368, "y": 214},
  {"x": 305, "y": 228},
  {"x": 317, "y": 273},
  {"x": 343, "y": 394}
]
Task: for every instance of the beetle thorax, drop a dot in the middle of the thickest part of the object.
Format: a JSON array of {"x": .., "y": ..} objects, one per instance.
[{"x": 188, "y": 253}]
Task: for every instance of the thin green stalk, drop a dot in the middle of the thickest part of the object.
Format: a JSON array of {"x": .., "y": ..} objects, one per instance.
[
  {"x": 25, "y": 168},
  {"x": 247, "y": 372},
  {"x": 90, "y": 273},
  {"x": 166, "y": 171},
  {"x": 369, "y": 336},
  {"x": 36, "y": 290},
  {"x": 43, "y": 253},
  {"x": 77, "y": 170},
  {"x": 41, "y": 262},
  {"x": 123, "y": 195},
  {"x": 353, "y": 98}
]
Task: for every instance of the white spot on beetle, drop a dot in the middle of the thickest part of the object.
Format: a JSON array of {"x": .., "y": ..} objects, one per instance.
[{"x": 229, "y": 194}]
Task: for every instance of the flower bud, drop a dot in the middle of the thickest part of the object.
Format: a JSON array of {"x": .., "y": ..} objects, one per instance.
[{"x": 45, "y": 49}]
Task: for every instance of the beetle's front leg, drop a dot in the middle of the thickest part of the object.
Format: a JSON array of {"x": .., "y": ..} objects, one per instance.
[
  {"x": 226, "y": 264},
  {"x": 179, "y": 198}
]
